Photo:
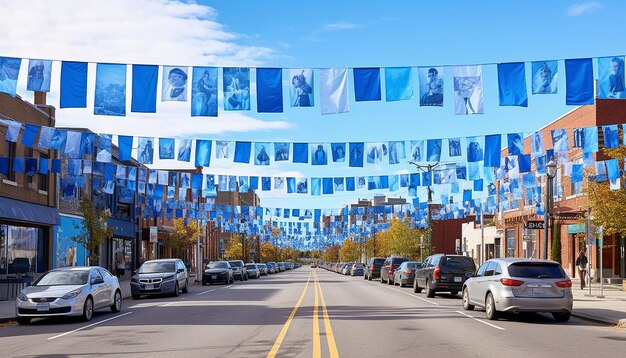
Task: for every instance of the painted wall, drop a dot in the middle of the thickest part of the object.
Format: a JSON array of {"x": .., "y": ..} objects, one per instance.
[{"x": 67, "y": 252}]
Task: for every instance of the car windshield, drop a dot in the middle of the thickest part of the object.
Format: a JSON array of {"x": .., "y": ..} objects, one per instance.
[
  {"x": 413, "y": 265},
  {"x": 235, "y": 263},
  {"x": 262, "y": 266},
  {"x": 359, "y": 265},
  {"x": 63, "y": 277},
  {"x": 536, "y": 270},
  {"x": 215, "y": 265},
  {"x": 157, "y": 267},
  {"x": 460, "y": 262},
  {"x": 251, "y": 267}
]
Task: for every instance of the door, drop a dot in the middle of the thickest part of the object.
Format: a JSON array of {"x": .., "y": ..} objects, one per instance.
[
  {"x": 98, "y": 290},
  {"x": 478, "y": 288}
]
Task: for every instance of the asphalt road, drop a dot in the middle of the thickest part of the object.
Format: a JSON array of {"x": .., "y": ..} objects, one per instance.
[{"x": 307, "y": 313}]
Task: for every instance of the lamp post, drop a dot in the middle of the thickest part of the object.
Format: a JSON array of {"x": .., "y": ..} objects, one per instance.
[
  {"x": 550, "y": 174},
  {"x": 428, "y": 168}
]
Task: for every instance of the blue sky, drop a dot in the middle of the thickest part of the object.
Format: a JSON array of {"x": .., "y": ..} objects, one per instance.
[{"x": 316, "y": 34}]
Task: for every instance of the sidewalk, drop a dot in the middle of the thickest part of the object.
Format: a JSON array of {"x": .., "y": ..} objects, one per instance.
[
  {"x": 608, "y": 310},
  {"x": 7, "y": 308}
]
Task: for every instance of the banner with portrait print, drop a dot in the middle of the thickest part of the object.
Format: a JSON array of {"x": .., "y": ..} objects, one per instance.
[
  {"x": 544, "y": 77},
  {"x": 39, "y": 73},
  {"x": 468, "y": 89},
  {"x": 301, "y": 87},
  {"x": 110, "y": 94},
  {"x": 174, "y": 80},
  {"x": 611, "y": 77},
  {"x": 204, "y": 92},
  {"x": 431, "y": 86},
  {"x": 236, "y": 86}
]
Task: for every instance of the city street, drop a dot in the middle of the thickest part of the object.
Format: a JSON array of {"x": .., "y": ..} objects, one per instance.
[{"x": 303, "y": 313}]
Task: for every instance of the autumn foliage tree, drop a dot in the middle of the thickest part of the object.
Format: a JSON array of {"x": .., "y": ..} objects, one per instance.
[
  {"x": 331, "y": 254},
  {"x": 349, "y": 251},
  {"x": 182, "y": 236},
  {"x": 608, "y": 207},
  {"x": 93, "y": 228}
]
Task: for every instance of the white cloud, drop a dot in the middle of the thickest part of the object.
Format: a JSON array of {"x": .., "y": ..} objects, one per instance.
[
  {"x": 339, "y": 26},
  {"x": 579, "y": 9}
]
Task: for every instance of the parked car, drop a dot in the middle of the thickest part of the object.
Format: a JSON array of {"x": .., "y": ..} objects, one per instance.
[
  {"x": 520, "y": 285},
  {"x": 253, "y": 270},
  {"x": 389, "y": 267},
  {"x": 443, "y": 272},
  {"x": 372, "y": 269},
  {"x": 156, "y": 277},
  {"x": 239, "y": 270},
  {"x": 357, "y": 269},
  {"x": 346, "y": 269},
  {"x": 281, "y": 266},
  {"x": 272, "y": 267},
  {"x": 218, "y": 271},
  {"x": 263, "y": 269},
  {"x": 314, "y": 264},
  {"x": 70, "y": 291},
  {"x": 405, "y": 273}
]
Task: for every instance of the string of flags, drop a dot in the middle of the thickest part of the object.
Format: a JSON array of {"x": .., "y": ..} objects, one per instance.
[
  {"x": 484, "y": 151},
  {"x": 199, "y": 86}
]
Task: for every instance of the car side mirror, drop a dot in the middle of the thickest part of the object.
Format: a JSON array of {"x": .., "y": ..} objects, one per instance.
[{"x": 469, "y": 274}]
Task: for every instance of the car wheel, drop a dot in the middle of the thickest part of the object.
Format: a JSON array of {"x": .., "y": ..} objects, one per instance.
[
  {"x": 466, "y": 305},
  {"x": 136, "y": 297},
  {"x": 241, "y": 278},
  {"x": 429, "y": 291},
  {"x": 246, "y": 278},
  {"x": 23, "y": 320},
  {"x": 117, "y": 302},
  {"x": 186, "y": 288},
  {"x": 390, "y": 281},
  {"x": 88, "y": 309},
  {"x": 561, "y": 316},
  {"x": 364, "y": 277},
  {"x": 176, "y": 292},
  {"x": 203, "y": 283},
  {"x": 416, "y": 287},
  {"x": 490, "y": 307},
  {"x": 369, "y": 278}
]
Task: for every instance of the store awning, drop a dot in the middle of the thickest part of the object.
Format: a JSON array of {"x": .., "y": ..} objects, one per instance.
[{"x": 22, "y": 211}]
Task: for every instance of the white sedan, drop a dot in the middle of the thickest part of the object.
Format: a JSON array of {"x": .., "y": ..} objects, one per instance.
[{"x": 70, "y": 291}]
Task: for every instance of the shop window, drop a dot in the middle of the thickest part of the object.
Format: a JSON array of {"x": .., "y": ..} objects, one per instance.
[
  {"x": 18, "y": 250},
  {"x": 529, "y": 243},
  {"x": 510, "y": 242}
]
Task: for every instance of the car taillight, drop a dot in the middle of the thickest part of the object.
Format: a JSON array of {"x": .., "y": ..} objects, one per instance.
[
  {"x": 564, "y": 284},
  {"x": 408, "y": 271},
  {"x": 511, "y": 282},
  {"x": 437, "y": 273},
  {"x": 372, "y": 267},
  {"x": 391, "y": 270}
]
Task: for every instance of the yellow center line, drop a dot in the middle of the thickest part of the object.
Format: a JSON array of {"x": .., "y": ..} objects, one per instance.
[
  {"x": 317, "y": 351},
  {"x": 283, "y": 331},
  {"x": 330, "y": 338}
]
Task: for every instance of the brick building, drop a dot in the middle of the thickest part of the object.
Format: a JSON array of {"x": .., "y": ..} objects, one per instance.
[{"x": 570, "y": 201}]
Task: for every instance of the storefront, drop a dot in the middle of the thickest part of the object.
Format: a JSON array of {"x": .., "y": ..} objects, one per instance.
[
  {"x": 119, "y": 250},
  {"x": 25, "y": 235}
]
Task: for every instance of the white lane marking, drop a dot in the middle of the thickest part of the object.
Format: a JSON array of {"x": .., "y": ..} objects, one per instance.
[
  {"x": 167, "y": 304},
  {"x": 419, "y": 298},
  {"x": 481, "y": 321},
  {"x": 229, "y": 286},
  {"x": 91, "y": 325},
  {"x": 202, "y": 293}
]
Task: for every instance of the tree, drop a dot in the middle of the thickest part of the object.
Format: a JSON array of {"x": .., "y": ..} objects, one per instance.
[
  {"x": 608, "y": 207},
  {"x": 316, "y": 254},
  {"x": 93, "y": 228},
  {"x": 349, "y": 251},
  {"x": 268, "y": 252},
  {"x": 405, "y": 241},
  {"x": 234, "y": 249},
  {"x": 182, "y": 236},
  {"x": 331, "y": 254},
  {"x": 555, "y": 254}
]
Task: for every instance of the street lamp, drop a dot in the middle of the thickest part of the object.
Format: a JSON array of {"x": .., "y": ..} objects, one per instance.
[{"x": 550, "y": 173}]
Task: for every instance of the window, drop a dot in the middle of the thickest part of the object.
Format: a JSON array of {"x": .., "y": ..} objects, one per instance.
[
  {"x": 498, "y": 270},
  {"x": 10, "y": 151},
  {"x": 491, "y": 268},
  {"x": 481, "y": 269},
  {"x": 18, "y": 250},
  {"x": 42, "y": 179},
  {"x": 529, "y": 243},
  {"x": 510, "y": 242}
]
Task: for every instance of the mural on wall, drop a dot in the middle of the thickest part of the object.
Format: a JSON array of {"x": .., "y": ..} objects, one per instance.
[{"x": 66, "y": 251}]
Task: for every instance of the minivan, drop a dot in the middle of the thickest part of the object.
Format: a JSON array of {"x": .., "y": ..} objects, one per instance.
[
  {"x": 389, "y": 267},
  {"x": 372, "y": 269}
]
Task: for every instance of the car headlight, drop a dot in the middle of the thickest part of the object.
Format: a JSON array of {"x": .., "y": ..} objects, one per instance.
[
  {"x": 72, "y": 294},
  {"x": 22, "y": 297},
  {"x": 169, "y": 278}
]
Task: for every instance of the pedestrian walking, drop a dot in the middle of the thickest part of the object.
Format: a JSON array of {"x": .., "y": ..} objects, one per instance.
[
  {"x": 120, "y": 267},
  {"x": 581, "y": 263}
]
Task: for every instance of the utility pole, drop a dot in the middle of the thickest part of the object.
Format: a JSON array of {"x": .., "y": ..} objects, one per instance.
[{"x": 428, "y": 168}]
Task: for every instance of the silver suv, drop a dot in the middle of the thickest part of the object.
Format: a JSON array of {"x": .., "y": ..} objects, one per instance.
[
  {"x": 239, "y": 270},
  {"x": 520, "y": 285}
]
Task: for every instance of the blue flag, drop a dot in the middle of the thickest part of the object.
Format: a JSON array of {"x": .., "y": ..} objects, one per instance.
[
  {"x": 73, "y": 85},
  {"x": 356, "y": 154},
  {"x": 300, "y": 152},
  {"x": 204, "y": 92},
  {"x": 366, "y": 84},
  {"x": 203, "y": 153},
  {"x": 611, "y": 77},
  {"x": 242, "y": 152},
  {"x": 398, "y": 84},
  {"x": 30, "y": 133},
  {"x": 10, "y": 70},
  {"x": 512, "y": 84},
  {"x": 579, "y": 84},
  {"x": 145, "y": 78},
  {"x": 125, "y": 144},
  {"x": 544, "y": 77},
  {"x": 269, "y": 82}
]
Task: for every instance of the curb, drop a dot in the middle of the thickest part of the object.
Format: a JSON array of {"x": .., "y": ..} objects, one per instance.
[{"x": 598, "y": 320}]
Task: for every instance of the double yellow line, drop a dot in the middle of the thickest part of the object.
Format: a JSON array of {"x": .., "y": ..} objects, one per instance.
[{"x": 330, "y": 338}]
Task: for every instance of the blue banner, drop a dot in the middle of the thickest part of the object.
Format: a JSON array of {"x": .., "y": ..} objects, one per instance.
[
  {"x": 145, "y": 78},
  {"x": 204, "y": 92},
  {"x": 579, "y": 84},
  {"x": 366, "y": 84},
  {"x": 73, "y": 85},
  {"x": 269, "y": 82},
  {"x": 512, "y": 84},
  {"x": 110, "y": 94}
]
